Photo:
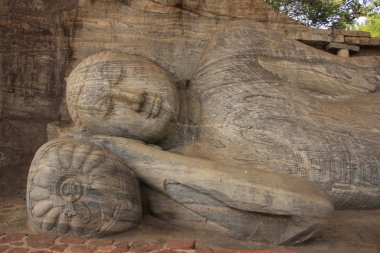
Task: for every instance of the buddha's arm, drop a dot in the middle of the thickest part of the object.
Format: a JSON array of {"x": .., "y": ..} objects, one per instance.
[{"x": 254, "y": 190}]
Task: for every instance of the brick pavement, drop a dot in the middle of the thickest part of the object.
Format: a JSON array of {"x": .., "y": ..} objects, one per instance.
[{"x": 45, "y": 243}]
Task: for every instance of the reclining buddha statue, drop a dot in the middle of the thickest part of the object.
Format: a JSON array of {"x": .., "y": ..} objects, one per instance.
[{"x": 265, "y": 140}]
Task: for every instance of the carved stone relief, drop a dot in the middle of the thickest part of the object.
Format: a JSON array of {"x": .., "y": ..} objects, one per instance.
[
  {"x": 244, "y": 144},
  {"x": 122, "y": 95},
  {"x": 76, "y": 188}
]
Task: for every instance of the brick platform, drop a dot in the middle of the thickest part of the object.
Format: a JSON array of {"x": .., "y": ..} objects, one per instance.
[{"x": 43, "y": 243}]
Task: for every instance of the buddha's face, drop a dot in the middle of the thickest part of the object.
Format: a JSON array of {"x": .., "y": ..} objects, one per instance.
[{"x": 122, "y": 95}]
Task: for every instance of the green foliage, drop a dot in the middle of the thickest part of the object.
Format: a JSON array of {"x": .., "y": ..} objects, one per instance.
[
  {"x": 371, "y": 25},
  {"x": 325, "y": 13}
]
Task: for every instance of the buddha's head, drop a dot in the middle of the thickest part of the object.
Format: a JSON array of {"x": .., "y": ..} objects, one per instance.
[{"x": 117, "y": 94}]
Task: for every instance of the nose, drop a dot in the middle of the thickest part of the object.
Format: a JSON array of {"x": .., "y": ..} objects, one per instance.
[{"x": 135, "y": 99}]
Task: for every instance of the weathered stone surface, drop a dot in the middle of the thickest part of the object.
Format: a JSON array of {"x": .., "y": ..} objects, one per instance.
[
  {"x": 59, "y": 247},
  {"x": 250, "y": 99},
  {"x": 18, "y": 250},
  {"x": 18, "y": 141},
  {"x": 338, "y": 38},
  {"x": 374, "y": 42},
  {"x": 13, "y": 237},
  {"x": 40, "y": 241},
  {"x": 38, "y": 41},
  {"x": 35, "y": 38},
  {"x": 76, "y": 188},
  {"x": 100, "y": 242},
  {"x": 180, "y": 244},
  {"x": 310, "y": 36},
  {"x": 266, "y": 113},
  {"x": 73, "y": 239},
  {"x": 217, "y": 250},
  {"x": 118, "y": 79},
  {"x": 335, "y": 46},
  {"x": 343, "y": 53},
  {"x": 285, "y": 250},
  {"x": 144, "y": 247},
  {"x": 255, "y": 251},
  {"x": 204, "y": 250},
  {"x": 20, "y": 243},
  {"x": 221, "y": 161},
  {"x": 351, "y": 33},
  {"x": 3, "y": 248},
  {"x": 362, "y": 41},
  {"x": 121, "y": 247},
  {"x": 195, "y": 184},
  {"x": 80, "y": 249}
]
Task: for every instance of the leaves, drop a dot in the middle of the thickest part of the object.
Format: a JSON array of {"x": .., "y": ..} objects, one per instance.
[
  {"x": 371, "y": 25},
  {"x": 325, "y": 13}
]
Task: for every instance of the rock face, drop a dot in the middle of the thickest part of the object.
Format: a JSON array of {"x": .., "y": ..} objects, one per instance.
[
  {"x": 38, "y": 52},
  {"x": 35, "y": 39},
  {"x": 232, "y": 125},
  {"x": 42, "y": 41},
  {"x": 37, "y": 48}
]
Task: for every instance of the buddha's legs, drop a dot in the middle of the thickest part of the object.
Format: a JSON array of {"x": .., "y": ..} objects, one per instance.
[{"x": 258, "y": 119}]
